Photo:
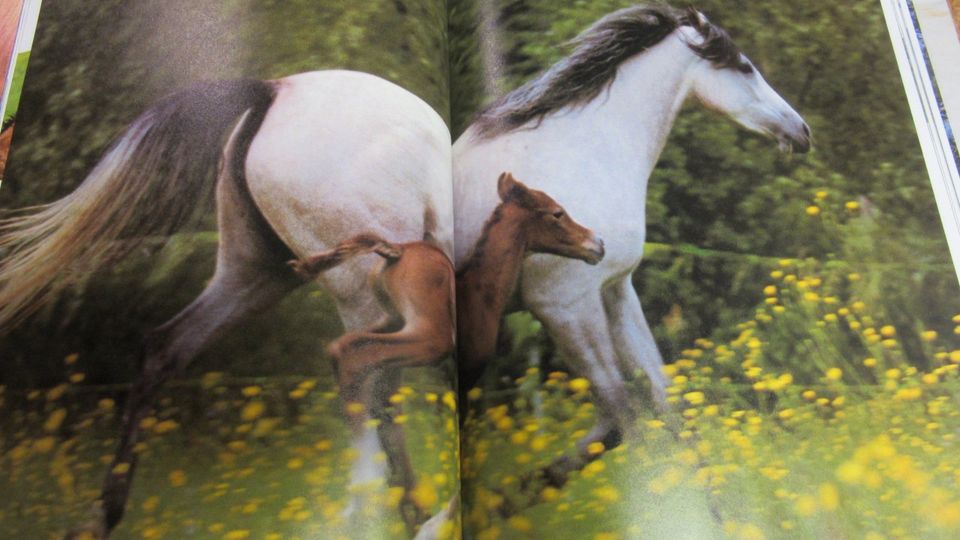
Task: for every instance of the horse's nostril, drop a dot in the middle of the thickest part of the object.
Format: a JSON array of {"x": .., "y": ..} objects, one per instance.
[
  {"x": 806, "y": 130},
  {"x": 600, "y": 242}
]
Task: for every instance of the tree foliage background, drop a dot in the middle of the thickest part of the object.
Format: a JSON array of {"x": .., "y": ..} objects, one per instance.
[{"x": 95, "y": 67}]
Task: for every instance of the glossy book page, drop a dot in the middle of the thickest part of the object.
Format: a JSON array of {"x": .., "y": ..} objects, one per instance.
[
  {"x": 231, "y": 314},
  {"x": 768, "y": 346}
]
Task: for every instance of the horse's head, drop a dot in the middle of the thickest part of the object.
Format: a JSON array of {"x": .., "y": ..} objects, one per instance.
[
  {"x": 546, "y": 225},
  {"x": 725, "y": 80}
]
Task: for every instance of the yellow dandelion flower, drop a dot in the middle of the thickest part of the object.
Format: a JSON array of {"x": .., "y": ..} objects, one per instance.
[
  {"x": 594, "y": 467},
  {"x": 929, "y": 335},
  {"x": 253, "y": 410},
  {"x": 56, "y": 392},
  {"x": 295, "y": 463},
  {"x": 474, "y": 394},
  {"x": 251, "y": 391},
  {"x": 354, "y": 408},
  {"x": 694, "y": 398},
  {"x": 450, "y": 400},
  {"x": 55, "y": 420},
  {"x": 608, "y": 494},
  {"x": 852, "y": 205},
  {"x": 44, "y": 444},
  {"x": 892, "y": 374},
  {"x": 870, "y": 362},
  {"x": 813, "y": 210},
  {"x": 77, "y": 378},
  {"x": 834, "y": 374},
  {"x": 520, "y": 523},
  {"x": 595, "y": 448},
  {"x": 579, "y": 384},
  {"x": 805, "y": 505},
  {"x": 238, "y": 534},
  {"x": 424, "y": 494},
  {"x": 120, "y": 468},
  {"x": 150, "y": 503},
  {"x": 829, "y": 496},
  {"x": 770, "y": 290},
  {"x": 820, "y": 195},
  {"x": 177, "y": 478}
]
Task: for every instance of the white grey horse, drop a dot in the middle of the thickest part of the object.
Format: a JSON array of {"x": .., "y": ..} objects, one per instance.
[
  {"x": 588, "y": 132},
  {"x": 311, "y": 160}
]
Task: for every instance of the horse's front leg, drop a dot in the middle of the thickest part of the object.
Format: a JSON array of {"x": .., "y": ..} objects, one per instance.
[
  {"x": 579, "y": 329},
  {"x": 632, "y": 338}
]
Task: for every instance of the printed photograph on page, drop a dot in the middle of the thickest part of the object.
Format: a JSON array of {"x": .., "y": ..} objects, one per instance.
[
  {"x": 721, "y": 302},
  {"x": 226, "y": 288}
]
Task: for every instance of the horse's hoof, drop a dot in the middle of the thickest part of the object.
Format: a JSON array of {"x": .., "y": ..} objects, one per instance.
[
  {"x": 95, "y": 529},
  {"x": 87, "y": 531}
]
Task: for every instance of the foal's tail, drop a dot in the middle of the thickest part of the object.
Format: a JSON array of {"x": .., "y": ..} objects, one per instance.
[
  {"x": 358, "y": 245},
  {"x": 150, "y": 181}
]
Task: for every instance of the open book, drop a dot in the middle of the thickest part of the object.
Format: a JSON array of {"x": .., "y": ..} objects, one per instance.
[{"x": 375, "y": 270}]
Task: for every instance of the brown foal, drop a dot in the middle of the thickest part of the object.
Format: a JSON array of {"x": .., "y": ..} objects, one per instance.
[{"x": 526, "y": 221}]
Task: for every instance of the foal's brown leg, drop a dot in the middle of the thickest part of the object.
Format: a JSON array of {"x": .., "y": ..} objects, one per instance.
[
  {"x": 362, "y": 356},
  {"x": 359, "y": 353}
]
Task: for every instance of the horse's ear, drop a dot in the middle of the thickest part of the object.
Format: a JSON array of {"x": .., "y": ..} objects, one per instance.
[
  {"x": 696, "y": 19},
  {"x": 505, "y": 185}
]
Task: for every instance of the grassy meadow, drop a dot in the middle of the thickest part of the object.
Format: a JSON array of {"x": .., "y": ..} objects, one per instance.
[
  {"x": 222, "y": 458},
  {"x": 807, "y": 420}
]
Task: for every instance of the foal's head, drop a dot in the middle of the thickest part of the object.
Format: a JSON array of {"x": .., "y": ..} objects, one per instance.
[{"x": 546, "y": 226}]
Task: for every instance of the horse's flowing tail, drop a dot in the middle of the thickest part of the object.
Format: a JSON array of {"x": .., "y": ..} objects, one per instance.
[
  {"x": 358, "y": 245},
  {"x": 149, "y": 182}
]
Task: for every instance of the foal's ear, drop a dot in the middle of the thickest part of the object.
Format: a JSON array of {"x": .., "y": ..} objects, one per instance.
[
  {"x": 505, "y": 185},
  {"x": 512, "y": 190}
]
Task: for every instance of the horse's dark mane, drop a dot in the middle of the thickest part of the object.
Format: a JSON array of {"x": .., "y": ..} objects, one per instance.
[
  {"x": 597, "y": 55},
  {"x": 7, "y": 123}
]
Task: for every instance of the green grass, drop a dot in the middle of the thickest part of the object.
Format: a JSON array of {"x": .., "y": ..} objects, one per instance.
[{"x": 206, "y": 471}]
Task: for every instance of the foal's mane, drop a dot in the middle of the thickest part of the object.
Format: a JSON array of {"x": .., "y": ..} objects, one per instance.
[
  {"x": 598, "y": 52},
  {"x": 478, "y": 250}
]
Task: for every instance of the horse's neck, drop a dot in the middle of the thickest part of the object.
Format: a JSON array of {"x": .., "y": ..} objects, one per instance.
[
  {"x": 494, "y": 268},
  {"x": 642, "y": 103}
]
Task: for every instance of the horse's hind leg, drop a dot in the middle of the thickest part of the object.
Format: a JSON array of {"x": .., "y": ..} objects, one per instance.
[
  {"x": 226, "y": 301},
  {"x": 251, "y": 275}
]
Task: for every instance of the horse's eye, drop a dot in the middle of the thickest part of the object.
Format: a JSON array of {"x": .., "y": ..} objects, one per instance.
[{"x": 558, "y": 214}]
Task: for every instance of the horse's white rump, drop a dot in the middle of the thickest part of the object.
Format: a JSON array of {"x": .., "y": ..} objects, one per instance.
[{"x": 343, "y": 152}]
